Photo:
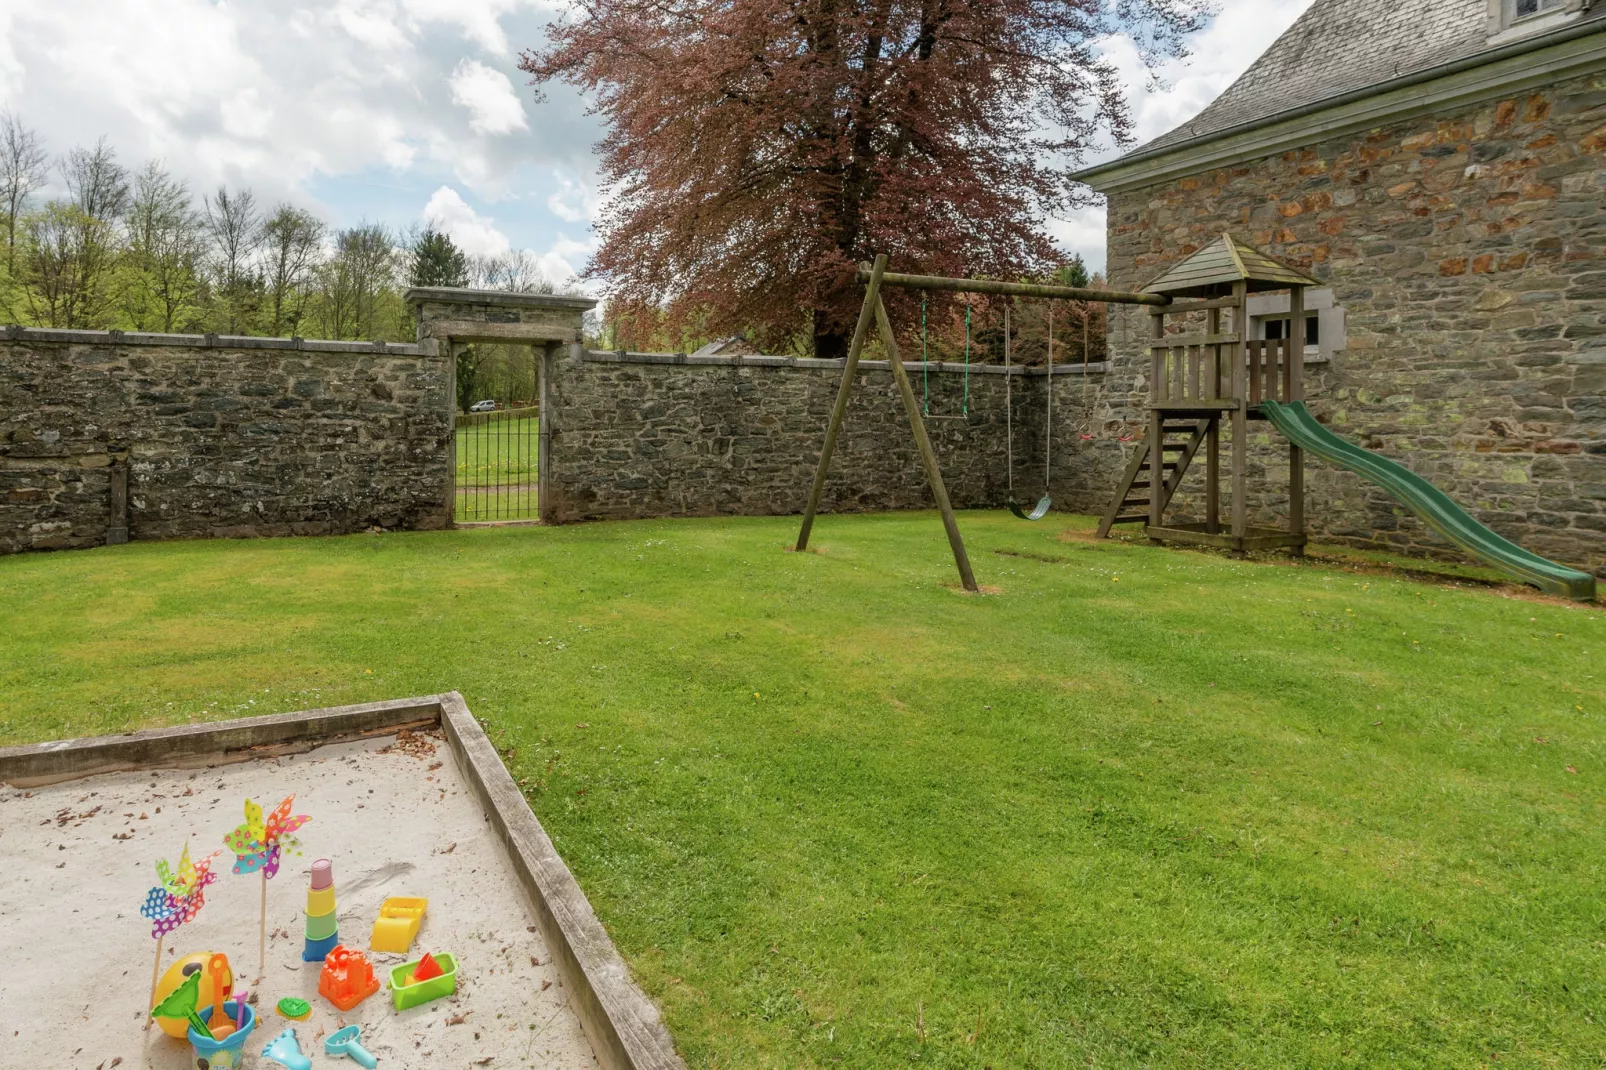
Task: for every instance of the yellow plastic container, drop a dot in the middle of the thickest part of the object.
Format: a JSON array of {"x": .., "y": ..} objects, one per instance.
[
  {"x": 398, "y": 923},
  {"x": 320, "y": 901}
]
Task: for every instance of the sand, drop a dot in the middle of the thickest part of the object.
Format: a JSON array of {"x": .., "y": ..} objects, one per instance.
[{"x": 77, "y": 859}]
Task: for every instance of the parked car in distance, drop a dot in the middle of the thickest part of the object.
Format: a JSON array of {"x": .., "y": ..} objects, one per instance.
[{"x": 483, "y": 406}]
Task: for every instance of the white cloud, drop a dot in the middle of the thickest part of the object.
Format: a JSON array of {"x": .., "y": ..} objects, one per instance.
[
  {"x": 488, "y": 95},
  {"x": 574, "y": 202},
  {"x": 480, "y": 22},
  {"x": 473, "y": 233},
  {"x": 290, "y": 95},
  {"x": 1082, "y": 233},
  {"x": 563, "y": 262},
  {"x": 478, "y": 235},
  {"x": 1218, "y": 54}
]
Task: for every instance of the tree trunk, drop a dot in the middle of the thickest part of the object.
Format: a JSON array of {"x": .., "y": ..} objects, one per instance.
[{"x": 830, "y": 342}]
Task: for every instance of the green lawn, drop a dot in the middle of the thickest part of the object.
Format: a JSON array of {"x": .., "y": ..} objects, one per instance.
[{"x": 1144, "y": 807}]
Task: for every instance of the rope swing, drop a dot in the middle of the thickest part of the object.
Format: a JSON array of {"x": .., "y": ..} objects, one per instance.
[{"x": 1045, "y": 502}]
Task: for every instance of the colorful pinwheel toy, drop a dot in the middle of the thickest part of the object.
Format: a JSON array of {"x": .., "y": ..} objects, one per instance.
[
  {"x": 258, "y": 847},
  {"x": 180, "y": 896},
  {"x": 176, "y": 900}
]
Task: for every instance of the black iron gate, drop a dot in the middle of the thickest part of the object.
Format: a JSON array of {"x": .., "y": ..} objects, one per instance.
[{"x": 497, "y": 454}]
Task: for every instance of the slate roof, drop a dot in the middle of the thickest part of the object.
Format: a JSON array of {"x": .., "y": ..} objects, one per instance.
[
  {"x": 1211, "y": 271},
  {"x": 1338, "y": 46}
]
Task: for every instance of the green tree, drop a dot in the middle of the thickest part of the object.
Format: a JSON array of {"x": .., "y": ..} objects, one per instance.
[
  {"x": 77, "y": 243},
  {"x": 436, "y": 260},
  {"x": 357, "y": 285},
  {"x": 62, "y": 266},
  {"x": 159, "y": 279},
  {"x": 1074, "y": 273}
]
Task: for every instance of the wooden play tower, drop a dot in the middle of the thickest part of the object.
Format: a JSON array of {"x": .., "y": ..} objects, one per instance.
[{"x": 1204, "y": 371}]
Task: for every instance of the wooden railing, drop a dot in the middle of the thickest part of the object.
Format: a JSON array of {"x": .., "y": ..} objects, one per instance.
[
  {"x": 1199, "y": 368},
  {"x": 1184, "y": 368},
  {"x": 1269, "y": 374}
]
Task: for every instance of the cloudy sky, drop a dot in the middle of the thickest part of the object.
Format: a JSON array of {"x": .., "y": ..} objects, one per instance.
[{"x": 404, "y": 110}]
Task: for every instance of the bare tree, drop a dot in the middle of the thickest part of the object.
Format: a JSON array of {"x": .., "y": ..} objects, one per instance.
[
  {"x": 517, "y": 271},
  {"x": 23, "y": 169},
  {"x": 292, "y": 245},
  {"x": 161, "y": 284},
  {"x": 97, "y": 185},
  {"x": 236, "y": 229}
]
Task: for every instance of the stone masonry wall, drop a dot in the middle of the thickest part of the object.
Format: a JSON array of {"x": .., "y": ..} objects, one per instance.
[
  {"x": 1469, "y": 252},
  {"x": 666, "y": 435},
  {"x": 220, "y": 436}
]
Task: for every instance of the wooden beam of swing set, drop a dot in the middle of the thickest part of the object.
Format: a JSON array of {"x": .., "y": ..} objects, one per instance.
[
  {"x": 874, "y": 312},
  {"x": 1014, "y": 289}
]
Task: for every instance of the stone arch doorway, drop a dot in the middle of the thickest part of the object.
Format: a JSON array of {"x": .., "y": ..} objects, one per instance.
[{"x": 503, "y": 471}]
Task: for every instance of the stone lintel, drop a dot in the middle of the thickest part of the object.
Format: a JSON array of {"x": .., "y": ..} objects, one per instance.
[
  {"x": 514, "y": 333},
  {"x": 451, "y": 295}
]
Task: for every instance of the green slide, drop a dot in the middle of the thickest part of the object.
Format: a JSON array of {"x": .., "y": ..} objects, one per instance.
[{"x": 1429, "y": 503}]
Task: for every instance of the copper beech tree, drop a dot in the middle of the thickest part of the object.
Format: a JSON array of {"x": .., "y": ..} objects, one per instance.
[{"x": 757, "y": 149}]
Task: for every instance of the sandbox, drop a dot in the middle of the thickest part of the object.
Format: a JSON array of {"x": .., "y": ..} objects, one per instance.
[{"x": 396, "y": 814}]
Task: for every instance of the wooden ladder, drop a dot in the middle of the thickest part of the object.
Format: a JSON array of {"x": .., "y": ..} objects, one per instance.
[{"x": 1134, "y": 490}]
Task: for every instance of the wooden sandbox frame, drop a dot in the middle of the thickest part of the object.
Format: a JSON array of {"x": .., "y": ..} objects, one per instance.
[{"x": 623, "y": 1025}]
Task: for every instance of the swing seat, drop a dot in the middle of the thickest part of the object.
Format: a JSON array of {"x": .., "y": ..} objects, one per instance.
[{"x": 1044, "y": 504}]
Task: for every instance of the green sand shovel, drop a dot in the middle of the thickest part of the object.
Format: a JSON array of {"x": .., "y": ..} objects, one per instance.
[{"x": 181, "y": 1003}]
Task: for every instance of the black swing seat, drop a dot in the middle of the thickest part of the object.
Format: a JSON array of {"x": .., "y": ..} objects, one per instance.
[{"x": 1044, "y": 504}]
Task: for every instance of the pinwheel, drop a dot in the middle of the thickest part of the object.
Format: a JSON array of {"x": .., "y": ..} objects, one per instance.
[
  {"x": 176, "y": 900},
  {"x": 258, "y": 846}
]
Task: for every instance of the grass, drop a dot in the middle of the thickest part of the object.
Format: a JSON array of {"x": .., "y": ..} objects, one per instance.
[
  {"x": 496, "y": 469},
  {"x": 1144, "y": 807}
]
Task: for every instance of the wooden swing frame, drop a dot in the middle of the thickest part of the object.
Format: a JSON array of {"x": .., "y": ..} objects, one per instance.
[{"x": 875, "y": 276}]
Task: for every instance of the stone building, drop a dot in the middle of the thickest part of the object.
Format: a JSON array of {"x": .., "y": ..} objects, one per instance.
[{"x": 1438, "y": 164}]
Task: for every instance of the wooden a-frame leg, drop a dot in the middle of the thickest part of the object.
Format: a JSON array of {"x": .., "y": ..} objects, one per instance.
[
  {"x": 928, "y": 456},
  {"x": 1296, "y": 496},
  {"x": 1240, "y": 473},
  {"x": 1156, "y": 466},
  {"x": 850, "y": 367},
  {"x": 1213, "y": 476}
]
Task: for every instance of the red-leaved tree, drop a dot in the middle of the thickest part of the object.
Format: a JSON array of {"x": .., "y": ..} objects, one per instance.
[{"x": 756, "y": 150}]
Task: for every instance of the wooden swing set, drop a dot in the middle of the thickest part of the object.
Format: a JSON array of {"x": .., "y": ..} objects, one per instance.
[
  {"x": 875, "y": 276},
  {"x": 1197, "y": 381}
]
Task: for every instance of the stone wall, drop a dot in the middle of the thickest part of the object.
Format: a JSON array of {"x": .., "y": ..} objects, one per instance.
[
  {"x": 669, "y": 435},
  {"x": 218, "y": 436},
  {"x": 1469, "y": 252}
]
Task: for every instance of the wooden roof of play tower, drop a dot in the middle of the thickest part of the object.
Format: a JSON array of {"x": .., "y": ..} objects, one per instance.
[{"x": 1211, "y": 272}]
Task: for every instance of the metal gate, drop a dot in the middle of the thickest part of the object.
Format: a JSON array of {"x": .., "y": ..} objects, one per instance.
[{"x": 497, "y": 453}]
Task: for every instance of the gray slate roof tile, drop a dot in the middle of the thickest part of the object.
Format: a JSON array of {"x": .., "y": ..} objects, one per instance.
[{"x": 1338, "y": 46}]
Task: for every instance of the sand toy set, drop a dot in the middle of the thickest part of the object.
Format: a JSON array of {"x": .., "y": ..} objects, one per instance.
[{"x": 195, "y": 1000}]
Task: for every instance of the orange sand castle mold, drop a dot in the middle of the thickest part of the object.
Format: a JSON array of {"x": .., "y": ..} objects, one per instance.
[{"x": 347, "y": 978}]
